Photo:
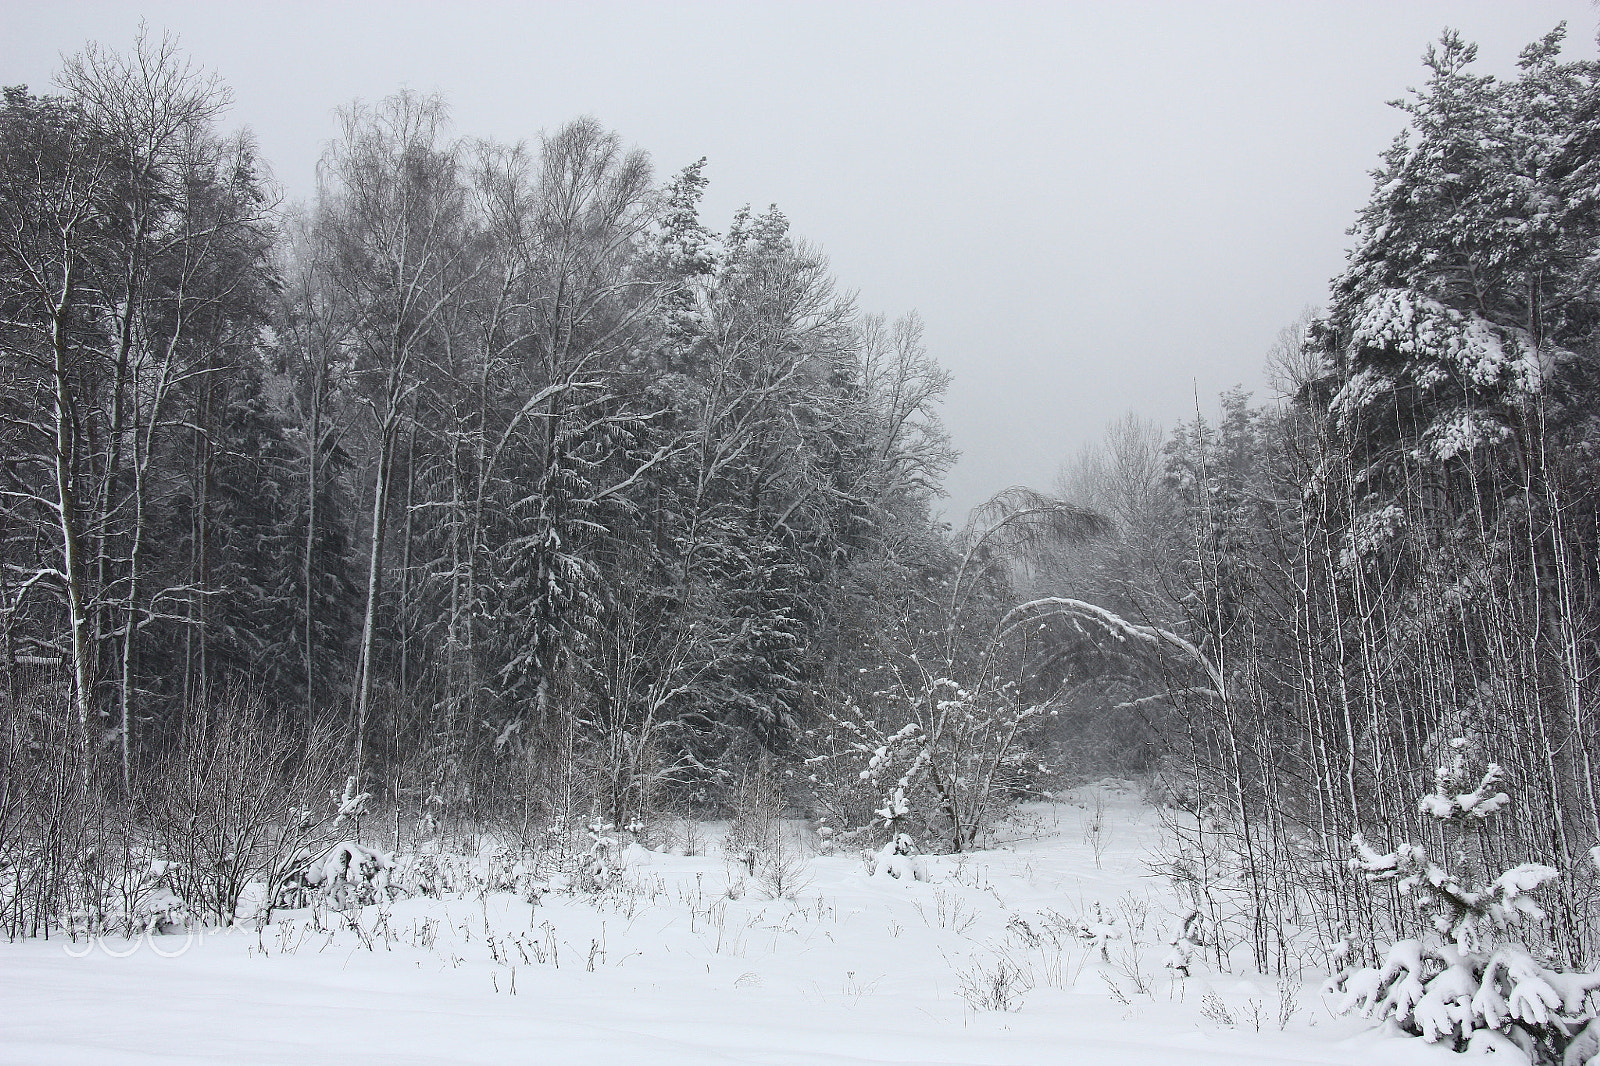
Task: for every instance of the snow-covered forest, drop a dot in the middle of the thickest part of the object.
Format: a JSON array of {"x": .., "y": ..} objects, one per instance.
[{"x": 494, "y": 528}]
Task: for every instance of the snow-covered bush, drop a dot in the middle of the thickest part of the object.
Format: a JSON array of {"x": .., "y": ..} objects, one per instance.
[
  {"x": 350, "y": 875},
  {"x": 351, "y": 806},
  {"x": 231, "y": 805},
  {"x": 854, "y": 763},
  {"x": 49, "y": 830},
  {"x": 1206, "y": 862},
  {"x": 1469, "y": 981},
  {"x": 930, "y": 756},
  {"x": 433, "y": 872},
  {"x": 825, "y": 839},
  {"x": 163, "y": 911},
  {"x": 136, "y": 895},
  {"x": 899, "y": 858}
]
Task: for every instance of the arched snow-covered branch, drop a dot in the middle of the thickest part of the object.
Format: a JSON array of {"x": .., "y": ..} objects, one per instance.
[{"x": 1115, "y": 623}]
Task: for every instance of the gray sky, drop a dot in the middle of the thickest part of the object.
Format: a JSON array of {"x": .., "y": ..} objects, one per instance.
[{"x": 1094, "y": 207}]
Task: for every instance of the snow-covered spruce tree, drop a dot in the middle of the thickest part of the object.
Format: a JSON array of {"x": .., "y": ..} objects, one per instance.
[
  {"x": 1454, "y": 497},
  {"x": 1467, "y": 979}
]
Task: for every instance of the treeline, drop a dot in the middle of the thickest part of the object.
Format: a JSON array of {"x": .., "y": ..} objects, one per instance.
[
  {"x": 1390, "y": 579},
  {"x": 493, "y": 458},
  {"x": 494, "y": 480}
]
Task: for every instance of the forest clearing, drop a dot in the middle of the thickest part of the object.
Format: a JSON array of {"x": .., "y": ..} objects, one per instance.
[{"x": 489, "y": 605}]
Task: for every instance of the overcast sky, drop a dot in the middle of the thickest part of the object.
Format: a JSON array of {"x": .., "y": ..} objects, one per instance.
[{"x": 1094, "y": 207}]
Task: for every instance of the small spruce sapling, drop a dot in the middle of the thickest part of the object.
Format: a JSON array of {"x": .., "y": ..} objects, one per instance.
[
  {"x": 598, "y": 866},
  {"x": 1190, "y": 940},
  {"x": 1467, "y": 981},
  {"x": 899, "y": 857}
]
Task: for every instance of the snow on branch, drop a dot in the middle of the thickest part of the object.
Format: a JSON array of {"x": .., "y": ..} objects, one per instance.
[{"x": 1114, "y": 623}]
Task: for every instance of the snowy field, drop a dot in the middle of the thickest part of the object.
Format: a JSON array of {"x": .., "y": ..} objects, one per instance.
[{"x": 1047, "y": 949}]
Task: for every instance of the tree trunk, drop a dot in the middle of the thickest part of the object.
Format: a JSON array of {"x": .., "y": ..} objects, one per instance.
[
  {"x": 380, "y": 508},
  {"x": 67, "y": 513},
  {"x": 308, "y": 571}
]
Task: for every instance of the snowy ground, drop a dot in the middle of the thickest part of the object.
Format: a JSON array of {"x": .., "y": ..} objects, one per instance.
[{"x": 668, "y": 969}]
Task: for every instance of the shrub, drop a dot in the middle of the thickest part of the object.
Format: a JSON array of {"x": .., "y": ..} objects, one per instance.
[{"x": 241, "y": 799}]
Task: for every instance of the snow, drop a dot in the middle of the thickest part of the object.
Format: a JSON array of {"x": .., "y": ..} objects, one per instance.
[
  {"x": 1440, "y": 348},
  {"x": 1370, "y": 533},
  {"x": 1460, "y": 432},
  {"x": 686, "y": 959},
  {"x": 1520, "y": 880}
]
